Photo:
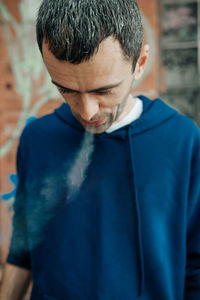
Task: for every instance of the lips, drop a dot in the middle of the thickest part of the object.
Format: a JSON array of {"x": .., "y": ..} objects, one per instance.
[{"x": 94, "y": 123}]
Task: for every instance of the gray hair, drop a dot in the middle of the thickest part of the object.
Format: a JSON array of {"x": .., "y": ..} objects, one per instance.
[{"x": 74, "y": 29}]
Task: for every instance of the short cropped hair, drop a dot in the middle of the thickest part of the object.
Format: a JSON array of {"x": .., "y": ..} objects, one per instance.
[{"x": 74, "y": 29}]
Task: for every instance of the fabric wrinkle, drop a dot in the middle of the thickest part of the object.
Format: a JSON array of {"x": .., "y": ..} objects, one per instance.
[{"x": 138, "y": 215}]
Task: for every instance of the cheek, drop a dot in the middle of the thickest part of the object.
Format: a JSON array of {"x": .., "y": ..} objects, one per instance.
[
  {"x": 111, "y": 101},
  {"x": 72, "y": 101}
]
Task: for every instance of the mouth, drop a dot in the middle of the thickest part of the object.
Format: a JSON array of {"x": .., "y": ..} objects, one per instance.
[{"x": 94, "y": 123}]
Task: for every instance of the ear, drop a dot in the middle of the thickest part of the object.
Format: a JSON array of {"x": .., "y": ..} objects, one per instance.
[{"x": 141, "y": 63}]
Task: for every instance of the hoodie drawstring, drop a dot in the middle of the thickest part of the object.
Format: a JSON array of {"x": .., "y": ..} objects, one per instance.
[{"x": 139, "y": 232}]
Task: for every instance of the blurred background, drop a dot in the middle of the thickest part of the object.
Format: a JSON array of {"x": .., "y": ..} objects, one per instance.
[{"x": 172, "y": 29}]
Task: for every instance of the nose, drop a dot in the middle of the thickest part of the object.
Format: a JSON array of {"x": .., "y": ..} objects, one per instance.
[{"x": 88, "y": 107}]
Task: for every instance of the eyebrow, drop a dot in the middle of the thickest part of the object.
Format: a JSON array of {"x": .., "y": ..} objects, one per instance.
[{"x": 103, "y": 88}]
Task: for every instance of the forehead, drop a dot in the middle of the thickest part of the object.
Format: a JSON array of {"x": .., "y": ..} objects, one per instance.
[{"x": 107, "y": 65}]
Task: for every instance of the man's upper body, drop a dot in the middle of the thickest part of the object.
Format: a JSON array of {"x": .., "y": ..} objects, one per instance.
[
  {"x": 110, "y": 216},
  {"x": 108, "y": 201}
]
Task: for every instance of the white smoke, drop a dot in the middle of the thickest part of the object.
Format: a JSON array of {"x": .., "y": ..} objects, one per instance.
[
  {"x": 77, "y": 174},
  {"x": 35, "y": 213}
]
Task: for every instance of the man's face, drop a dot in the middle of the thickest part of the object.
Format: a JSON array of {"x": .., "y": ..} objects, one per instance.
[{"x": 98, "y": 90}]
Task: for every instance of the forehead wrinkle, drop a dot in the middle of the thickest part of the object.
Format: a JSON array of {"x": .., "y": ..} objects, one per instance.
[{"x": 109, "y": 50}]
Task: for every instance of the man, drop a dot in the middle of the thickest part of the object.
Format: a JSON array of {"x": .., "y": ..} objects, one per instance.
[{"x": 108, "y": 201}]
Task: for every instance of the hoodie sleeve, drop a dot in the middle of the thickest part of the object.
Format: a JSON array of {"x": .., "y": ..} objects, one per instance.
[
  {"x": 19, "y": 252},
  {"x": 192, "y": 282}
]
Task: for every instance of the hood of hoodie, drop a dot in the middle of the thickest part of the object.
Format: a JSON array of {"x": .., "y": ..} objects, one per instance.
[{"x": 154, "y": 113}]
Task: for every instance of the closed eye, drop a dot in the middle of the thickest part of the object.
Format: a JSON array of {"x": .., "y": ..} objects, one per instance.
[
  {"x": 107, "y": 92},
  {"x": 66, "y": 91}
]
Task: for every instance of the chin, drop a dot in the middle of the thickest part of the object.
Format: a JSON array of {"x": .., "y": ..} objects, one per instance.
[{"x": 96, "y": 130}]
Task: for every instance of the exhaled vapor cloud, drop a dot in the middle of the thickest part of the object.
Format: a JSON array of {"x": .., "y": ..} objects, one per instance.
[{"x": 77, "y": 173}]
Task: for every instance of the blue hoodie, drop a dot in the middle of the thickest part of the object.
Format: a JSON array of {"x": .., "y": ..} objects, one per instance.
[{"x": 109, "y": 216}]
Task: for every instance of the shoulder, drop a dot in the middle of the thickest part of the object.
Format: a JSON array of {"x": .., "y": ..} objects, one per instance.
[
  {"x": 186, "y": 127},
  {"x": 40, "y": 124},
  {"x": 46, "y": 128},
  {"x": 177, "y": 123}
]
